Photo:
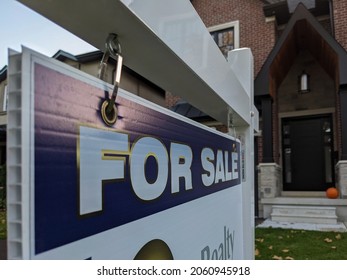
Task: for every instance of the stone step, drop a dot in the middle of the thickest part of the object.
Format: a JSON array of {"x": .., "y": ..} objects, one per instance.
[{"x": 304, "y": 214}]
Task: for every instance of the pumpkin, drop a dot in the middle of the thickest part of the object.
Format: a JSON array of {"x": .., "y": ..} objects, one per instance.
[{"x": 332, "y": 192}]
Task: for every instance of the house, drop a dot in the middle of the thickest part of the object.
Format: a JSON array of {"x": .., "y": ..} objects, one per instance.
[{"x": 300, "y": 89}]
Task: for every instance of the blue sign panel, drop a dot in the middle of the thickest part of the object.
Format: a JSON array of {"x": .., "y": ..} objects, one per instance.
[{"x": 90, "y": 178}]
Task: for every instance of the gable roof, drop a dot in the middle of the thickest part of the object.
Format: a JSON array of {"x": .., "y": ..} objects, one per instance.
[
  {"x": 283, "y": 9},
  {"x": 303, "y": 32},
  {"x": 82, "y": 58},
  {"x": 63, "y": 55}
]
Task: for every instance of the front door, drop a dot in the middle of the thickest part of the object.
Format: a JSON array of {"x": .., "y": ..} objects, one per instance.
[{"x": 307, "y": 149}]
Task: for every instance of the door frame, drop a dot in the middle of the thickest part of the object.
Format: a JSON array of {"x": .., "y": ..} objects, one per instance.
[{"x": 306, "y": 113}]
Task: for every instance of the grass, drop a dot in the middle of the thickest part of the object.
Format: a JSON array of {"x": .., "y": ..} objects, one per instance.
[
  {"x": 282, "y": 244},
  {"x": 2, "y": 198},
  {"x": 278, "y": 244},
  {"x": 2, "y": 225}
]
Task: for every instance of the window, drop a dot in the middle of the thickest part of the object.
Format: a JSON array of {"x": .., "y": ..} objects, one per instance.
[
  {"x": 226, "y": 36},
  {"x": 5, "y": 99}
]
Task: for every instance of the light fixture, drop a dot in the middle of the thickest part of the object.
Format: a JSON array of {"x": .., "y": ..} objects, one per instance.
[{"x": 304, "y": 83}]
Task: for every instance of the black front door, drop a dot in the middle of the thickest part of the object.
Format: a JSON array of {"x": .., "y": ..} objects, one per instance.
[{"x": 307, "y": 149}]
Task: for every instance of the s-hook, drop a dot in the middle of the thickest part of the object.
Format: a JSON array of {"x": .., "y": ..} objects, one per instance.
[{"x": 108, "y": 108}]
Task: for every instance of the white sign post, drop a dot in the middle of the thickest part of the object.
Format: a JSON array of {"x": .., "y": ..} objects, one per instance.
[{"x": 80, "y": 190}]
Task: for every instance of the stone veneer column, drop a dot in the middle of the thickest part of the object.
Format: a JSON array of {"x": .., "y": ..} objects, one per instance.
[
  {"x": 269, "y": 182},
  {"x": 341, "y": 177}
]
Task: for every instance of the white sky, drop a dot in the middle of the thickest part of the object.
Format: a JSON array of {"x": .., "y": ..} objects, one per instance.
[{"x": 21, "y": 26}]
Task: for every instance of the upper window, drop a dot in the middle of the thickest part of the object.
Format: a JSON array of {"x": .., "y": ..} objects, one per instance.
[{"x": 226, "y": 36}]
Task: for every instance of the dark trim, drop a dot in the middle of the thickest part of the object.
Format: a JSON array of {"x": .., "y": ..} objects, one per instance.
[
  {"x": 3, "y": 73},
  {"x": 343, "y": 114},
  {"x": 63, "y": 55},
  {"x": 266, "y": 105},
  {"x": 279, "y": 10},
  {"x": 91, "y": 56},
  {"x": 82, "y": 58},
  {"x": 262, "y": 81},
  {"x": 265, "y": 2},
  {"x": 282, "y": 12}
]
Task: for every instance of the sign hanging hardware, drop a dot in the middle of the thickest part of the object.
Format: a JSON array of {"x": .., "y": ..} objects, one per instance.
[
  {"x": 232, "y": 128},
  {"x": 109, "y": 112}
]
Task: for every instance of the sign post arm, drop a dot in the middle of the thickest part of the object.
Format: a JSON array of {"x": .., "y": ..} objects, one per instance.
[
  {"x": 151, "y": 47},
  {"x": 242, "y": 60}
]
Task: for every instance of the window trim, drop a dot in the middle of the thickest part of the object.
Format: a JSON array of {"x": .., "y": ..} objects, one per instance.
[{"x": 235, "y": 24}]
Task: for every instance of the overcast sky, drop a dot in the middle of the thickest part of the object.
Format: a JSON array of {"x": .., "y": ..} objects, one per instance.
[{"x": 21, "y": 26}]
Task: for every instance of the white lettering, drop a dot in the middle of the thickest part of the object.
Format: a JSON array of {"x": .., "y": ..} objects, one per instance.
[
  {"x": 216, "y": 168},
  {"x": 101, "y": 157},
  {"x": 181, "y": 157},
  {"x": 141, "y": 150},
  {"x": 228, "y": 174},
  {"x": 207, "y": 158},
  {"x": 105, "y": 156},
  {"x": 220, "y": 171}
]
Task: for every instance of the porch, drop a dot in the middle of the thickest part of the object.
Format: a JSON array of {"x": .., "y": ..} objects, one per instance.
[
  {"x": 318, "y": 212},
  {"x": 303, "y": 144},
  {"x": 311, "y": 207}
]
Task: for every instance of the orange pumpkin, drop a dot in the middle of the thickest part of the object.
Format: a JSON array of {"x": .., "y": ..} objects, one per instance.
[{"x": 332, "y": 192}]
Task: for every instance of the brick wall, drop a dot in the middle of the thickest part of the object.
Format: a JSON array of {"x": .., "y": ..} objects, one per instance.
[
  {"x": 255, "y": 33},
  {"x": 171, "y": 100},
  {"x": 338, "y": 132},
  {"x": 340, "y": 21},
  {"x": 340, "y": 27}
]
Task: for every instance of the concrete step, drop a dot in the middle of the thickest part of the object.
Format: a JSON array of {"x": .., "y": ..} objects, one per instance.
[{"x": 304, "y": 214}]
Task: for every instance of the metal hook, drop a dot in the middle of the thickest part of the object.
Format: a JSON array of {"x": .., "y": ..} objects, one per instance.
[
  {"x": 109, "y": 112},
  {"x": 231, "y": 123},
  {"x": 232, "y": 127},
  {"x": 113, "y": 45}
]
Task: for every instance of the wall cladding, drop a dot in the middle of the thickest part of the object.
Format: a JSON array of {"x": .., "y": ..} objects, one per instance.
[{"x": 340, "y": 21}]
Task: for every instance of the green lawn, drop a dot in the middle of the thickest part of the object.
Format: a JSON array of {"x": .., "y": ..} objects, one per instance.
[
  {"x": 2, "y": 225},
  {"x": 272, "y": 244},
  {"x": 2, "y": 197}
]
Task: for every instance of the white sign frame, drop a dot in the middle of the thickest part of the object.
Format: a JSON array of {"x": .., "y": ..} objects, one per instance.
[{"x": 226, "y": 243}]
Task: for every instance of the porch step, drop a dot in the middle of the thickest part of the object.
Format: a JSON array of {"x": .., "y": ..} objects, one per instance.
[{"x": 304, "y": 214}]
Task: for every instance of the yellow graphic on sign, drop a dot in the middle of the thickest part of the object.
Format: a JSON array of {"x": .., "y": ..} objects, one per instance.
[{"x": 155, "y": 250}]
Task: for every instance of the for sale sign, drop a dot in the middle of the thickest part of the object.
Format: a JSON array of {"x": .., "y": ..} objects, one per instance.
[{"x": 153, "y": 186}]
